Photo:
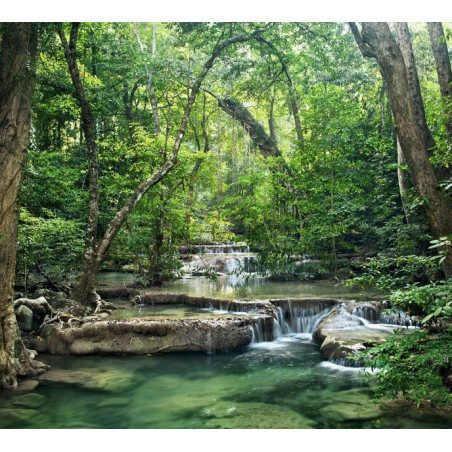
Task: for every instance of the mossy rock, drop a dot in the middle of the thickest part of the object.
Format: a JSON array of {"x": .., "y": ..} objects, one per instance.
[
  {"x": 344, "y": 412},
  {"x": 254, "y": 415},
  {"x": 111, "y": 380},
  {"x": 113, "y": 402},
  {"x": 12, "y": 417},
  {"x": 28, "y": 401}
]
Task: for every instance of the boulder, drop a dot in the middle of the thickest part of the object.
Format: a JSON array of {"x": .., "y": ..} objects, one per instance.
[
  {"x": 342, "y": 333},
  {"x": 142, "y": 336},
  {"x": 39, "y": 309},
  {"x": 24, "y": 316}
]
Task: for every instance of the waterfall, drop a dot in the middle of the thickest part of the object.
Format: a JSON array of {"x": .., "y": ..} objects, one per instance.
[
  {"x": 300, "y": 319},
  {"x": 259, "y": 331},
  {"x": 229, "y": 259},
  {"x": 291, "y": 319},
  {"x": 371, "y": 314}
]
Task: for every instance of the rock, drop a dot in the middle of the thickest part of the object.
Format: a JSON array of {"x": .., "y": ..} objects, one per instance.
[
  {"x": 39, "y": 308},
  {"x": 335, "y": 349},
  {"x": 57, "y": 300},
  {"x": 27, "y": 386},
  {"x": 113, "y": 402},
  {"x": 111, "y": 380},
  {"x": 343, "y": 412},
  {"x": 16, "y": 416},
  {"x": 24, "y": 317},
  {"x": 28, "y": 401},
  {"x": 142, "y": 336},
  {"x": 254, "y": 415},
  {"x": 342, "y": 333}
]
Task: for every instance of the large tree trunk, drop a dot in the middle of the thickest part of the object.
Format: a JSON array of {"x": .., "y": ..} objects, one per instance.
[
  {"x": 443, "y": 68},
  {"x": 404, "y": 40},
  {"x": 84, "y": 290},
  {"x": 17, "y": 56},
  {"x": 89, "y": 256},
  {"x": 377, "y": 41}
]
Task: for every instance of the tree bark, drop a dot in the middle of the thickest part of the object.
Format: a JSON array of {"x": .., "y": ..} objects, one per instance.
[
  {"x": 403, "y": 182},
  {"x": 292, "y": 90},
  {"x": 84, "y": 290},
  {"x": 89, "y": 130},
  {"x": 443, "y": 69},
  {"x": 377, "y": 41},
  {"x": 150, "y": 75},
  {"x": 266, "y": 144},
  {"x": 404, "y": 40},
  {"x": 17, "y": 57}
]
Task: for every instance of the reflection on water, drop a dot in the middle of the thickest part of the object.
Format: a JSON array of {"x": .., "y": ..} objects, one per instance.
[
  {"x": 244, "y": 288},
  {"x": 172, "y": 311}
]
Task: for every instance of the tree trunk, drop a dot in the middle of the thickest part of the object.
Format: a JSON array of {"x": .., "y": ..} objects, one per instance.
[
  {"x": 84, "y": 290},
  {"x": 17, "y": 57},
  {"x": 403, "y": 182},
  {"x": 404, "y": 39},
  {"x": 292, "y": 90},
  {"x": 150, "y": 75},
  {"x": 443, "y": 68},
  {"x": 377, "y": 41},
  {"x": 266, "y": 144},
  {"x": 271, "y": 119},
  {"x": 89, "y": 256}
]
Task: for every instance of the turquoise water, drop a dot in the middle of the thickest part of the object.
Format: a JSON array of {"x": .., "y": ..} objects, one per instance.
[{"x": 278, "y": 385}]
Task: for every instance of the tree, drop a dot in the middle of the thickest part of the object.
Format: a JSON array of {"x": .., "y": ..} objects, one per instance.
[
  {"x": 376, "y": 40},
  {"x": 96, "y": 250},
  {"x": 17, "y": 57},
  {"x": 443, "y": 69}
]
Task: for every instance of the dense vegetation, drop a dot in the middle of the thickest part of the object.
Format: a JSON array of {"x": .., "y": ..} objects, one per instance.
[{"x": 289, "y": 144}]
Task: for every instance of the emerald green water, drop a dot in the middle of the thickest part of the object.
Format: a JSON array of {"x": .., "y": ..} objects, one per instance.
[{"x": 280, "y": 385}]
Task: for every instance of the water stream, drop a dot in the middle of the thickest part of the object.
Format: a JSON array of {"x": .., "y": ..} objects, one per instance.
[{"x": 283, "y": 383}]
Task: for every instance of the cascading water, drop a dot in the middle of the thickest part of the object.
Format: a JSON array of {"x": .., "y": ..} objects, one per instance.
[
  {"x": 386, "y": 317},
  {"x": 291, "y": 320},
  {"x": 261, "y": 331},
  {"x": 229, "y": 259},
  {"x": 298, "y": 319}
]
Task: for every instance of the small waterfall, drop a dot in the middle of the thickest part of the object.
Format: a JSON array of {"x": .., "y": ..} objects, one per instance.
[
  {"x": 300, "y": 319},
  {"x": 259, "y": 331},
  {"x": 229, "y": 259},
  {"x": 372, "y": 315},
  {"x": 397, "y": 318},
  {"x": 290, "y": 319}
]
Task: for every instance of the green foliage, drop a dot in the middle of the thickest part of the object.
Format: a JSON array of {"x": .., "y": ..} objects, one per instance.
[
  {"x": 415, "y": 365},
  {"x": 52, "y": 244},
  {"x": 388, "y": 273},
  {"x": 433, "y": 302}
]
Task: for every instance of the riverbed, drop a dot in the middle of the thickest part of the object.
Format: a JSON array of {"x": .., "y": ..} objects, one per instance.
[{"x": 280, "y": 384}]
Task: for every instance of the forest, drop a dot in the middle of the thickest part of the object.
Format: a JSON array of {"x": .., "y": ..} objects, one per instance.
[{"x": 263, "y": 194}]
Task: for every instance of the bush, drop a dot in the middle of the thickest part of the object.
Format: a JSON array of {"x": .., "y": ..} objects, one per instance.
[{"x": 53, "y": 245}]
